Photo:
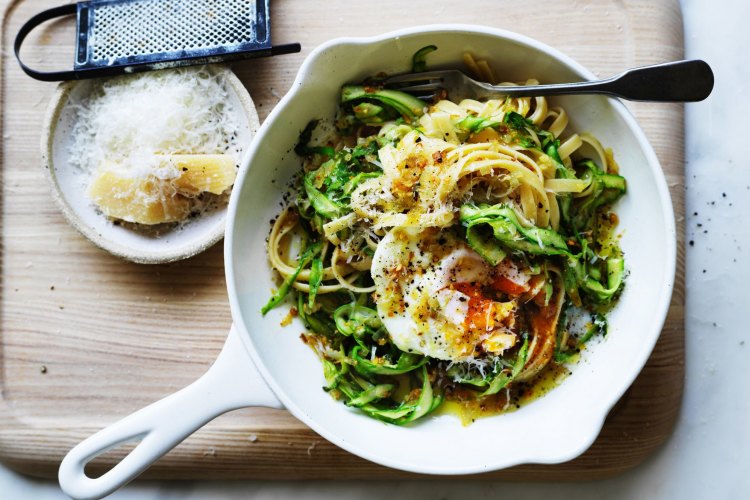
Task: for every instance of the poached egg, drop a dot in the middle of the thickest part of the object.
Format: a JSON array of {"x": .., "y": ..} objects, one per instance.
[{"x": 429, "y": 290}]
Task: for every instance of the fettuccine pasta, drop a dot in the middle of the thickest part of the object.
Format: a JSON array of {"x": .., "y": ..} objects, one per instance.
[{"x": 436, "y": 249}]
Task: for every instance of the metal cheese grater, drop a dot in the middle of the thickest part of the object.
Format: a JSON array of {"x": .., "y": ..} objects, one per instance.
[{"x": 127, "y": 36}]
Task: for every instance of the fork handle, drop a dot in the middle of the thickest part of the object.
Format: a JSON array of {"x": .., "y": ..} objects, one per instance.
[{"x": 680, "y": 81}]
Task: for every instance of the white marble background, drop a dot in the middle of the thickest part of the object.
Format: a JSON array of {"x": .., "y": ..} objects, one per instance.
[{"x": 708, "y": 456}]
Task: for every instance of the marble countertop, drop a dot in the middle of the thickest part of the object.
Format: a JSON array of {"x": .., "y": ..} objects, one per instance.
[{"x": 708, "y": 456}]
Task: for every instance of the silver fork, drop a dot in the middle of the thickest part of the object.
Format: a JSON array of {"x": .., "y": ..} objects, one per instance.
[{"x": 680, "y": 81}]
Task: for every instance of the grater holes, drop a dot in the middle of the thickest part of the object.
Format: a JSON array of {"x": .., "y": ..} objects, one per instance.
[{"x": 144, "y": 27}]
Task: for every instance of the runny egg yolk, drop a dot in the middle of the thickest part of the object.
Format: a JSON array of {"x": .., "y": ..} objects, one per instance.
[{"x": 430, "y": 294}]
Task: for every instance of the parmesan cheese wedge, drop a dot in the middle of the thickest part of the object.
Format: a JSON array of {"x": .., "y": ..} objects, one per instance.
[
  {"x": 141, "y": 200},
  {"x": 162, "y": 193},
  {"x": 211, "y": 173}
]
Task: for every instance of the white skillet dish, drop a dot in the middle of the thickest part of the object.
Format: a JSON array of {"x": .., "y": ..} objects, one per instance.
[
  {"x": 554, "y": 428},
  {"x": 68, "y": 185}
]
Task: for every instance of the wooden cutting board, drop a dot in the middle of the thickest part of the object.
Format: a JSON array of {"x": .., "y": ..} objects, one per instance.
[{"x": 86, "y": 339}]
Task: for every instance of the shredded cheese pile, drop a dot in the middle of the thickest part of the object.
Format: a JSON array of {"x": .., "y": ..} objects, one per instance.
[{"x": 129, "y": 124}]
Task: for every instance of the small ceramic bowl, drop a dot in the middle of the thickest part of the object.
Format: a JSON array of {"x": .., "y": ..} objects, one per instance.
[{"x": 167, "y": 243}]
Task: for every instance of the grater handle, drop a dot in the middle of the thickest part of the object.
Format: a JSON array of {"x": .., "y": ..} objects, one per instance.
[
  {"x": 48, "y": 76},
  {"x": 80, "y": 73}
]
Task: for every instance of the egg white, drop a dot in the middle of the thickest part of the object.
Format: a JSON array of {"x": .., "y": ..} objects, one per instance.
[{"x": 412, "y": 270}]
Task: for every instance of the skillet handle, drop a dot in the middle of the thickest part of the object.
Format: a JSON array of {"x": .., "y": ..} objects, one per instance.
[{"x": 232, "y": 382}]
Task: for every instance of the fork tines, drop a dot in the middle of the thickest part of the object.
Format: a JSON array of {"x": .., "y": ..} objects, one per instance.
[{"x": 425, "y": 86}]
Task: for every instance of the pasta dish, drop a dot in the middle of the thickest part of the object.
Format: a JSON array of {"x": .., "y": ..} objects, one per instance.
[{"x": 453, "y": 251}]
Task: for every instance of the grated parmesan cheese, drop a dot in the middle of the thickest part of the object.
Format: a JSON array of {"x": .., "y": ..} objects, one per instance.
[{"x": 130, "y": 123}]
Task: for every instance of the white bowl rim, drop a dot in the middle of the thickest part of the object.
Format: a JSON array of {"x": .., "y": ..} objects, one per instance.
[
  {"x": 55, "y": 107},
  {"x": 661, "y": 308}
]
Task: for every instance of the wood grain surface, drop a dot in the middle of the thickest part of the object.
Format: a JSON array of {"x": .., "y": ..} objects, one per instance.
[{"x": 86, "y": 339}]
